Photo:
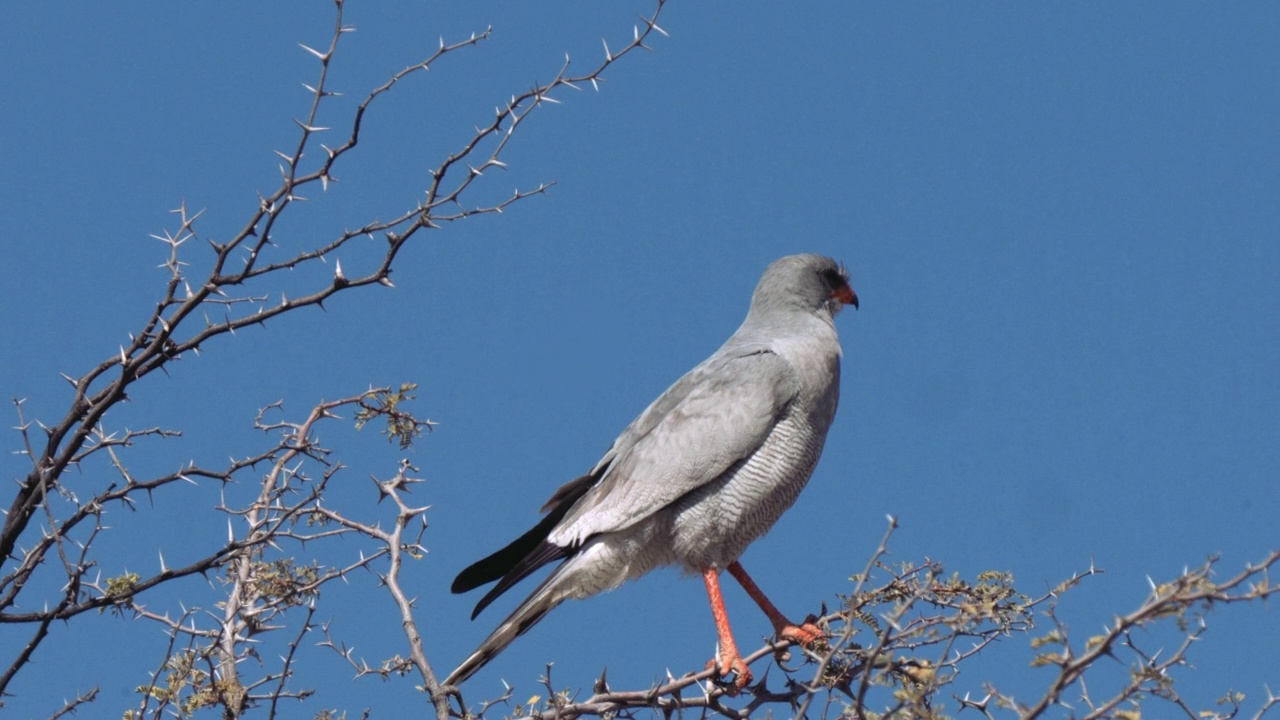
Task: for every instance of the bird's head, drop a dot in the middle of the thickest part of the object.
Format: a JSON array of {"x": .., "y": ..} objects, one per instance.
[{"x": 804, "y": 282}]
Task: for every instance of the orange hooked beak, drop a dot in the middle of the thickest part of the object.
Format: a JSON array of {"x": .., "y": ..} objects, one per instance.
[{"x": 846, "y": 296}]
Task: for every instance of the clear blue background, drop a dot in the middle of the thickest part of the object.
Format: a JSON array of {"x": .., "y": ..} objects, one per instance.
[{"x": 1062, "y": 221}]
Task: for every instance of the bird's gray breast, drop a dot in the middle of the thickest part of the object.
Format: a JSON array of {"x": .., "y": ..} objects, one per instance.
[{"x": 714, "y": 524}]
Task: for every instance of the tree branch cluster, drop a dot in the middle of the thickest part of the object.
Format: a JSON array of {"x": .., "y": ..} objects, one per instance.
[
  {"x": 902, "y": 637},
  {"x": 51, "y": 531},
  {"x": 895, "y": 645}
]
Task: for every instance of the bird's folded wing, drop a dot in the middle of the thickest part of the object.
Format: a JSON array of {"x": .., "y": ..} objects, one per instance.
[{"x": 716, "y": 415}]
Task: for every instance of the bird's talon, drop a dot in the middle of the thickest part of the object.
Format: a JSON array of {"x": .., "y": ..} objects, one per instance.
[
  {"x": 803, "y": 635},
  {"x": 731, "y": 667}
]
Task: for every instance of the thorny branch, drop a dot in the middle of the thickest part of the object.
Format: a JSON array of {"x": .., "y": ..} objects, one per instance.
[
  {"x": 396, "y": 547},
  {"x": 161, "y": 338},
  {"x": 206, "y": 664},
  {"x": 894, "y": 648},
  {"x": 49, "y": 531}
]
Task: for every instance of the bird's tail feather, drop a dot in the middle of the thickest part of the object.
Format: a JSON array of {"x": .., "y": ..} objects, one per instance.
[
  {"x": 548, "y": 595},
  {"x": 500, "y": 563}
]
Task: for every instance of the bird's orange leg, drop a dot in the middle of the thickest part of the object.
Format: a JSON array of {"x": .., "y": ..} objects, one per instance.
[
  {"x": 804, "y": 634},
  {"x": 729, "y": 660}
]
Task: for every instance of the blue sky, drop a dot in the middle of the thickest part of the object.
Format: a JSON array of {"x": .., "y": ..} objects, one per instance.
[{"x": 1061, "y": 220}]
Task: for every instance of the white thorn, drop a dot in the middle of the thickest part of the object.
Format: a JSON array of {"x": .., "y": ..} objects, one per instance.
[{"x": 313, "y": 51}]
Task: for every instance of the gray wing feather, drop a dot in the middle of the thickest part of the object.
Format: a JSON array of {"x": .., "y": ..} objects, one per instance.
[{"x": 717, "y": 414}]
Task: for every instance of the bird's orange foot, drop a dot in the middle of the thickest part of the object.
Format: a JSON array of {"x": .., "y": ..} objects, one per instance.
[
  {"x": 734, "y": 666},
  {"x": 803, "y": 635}
]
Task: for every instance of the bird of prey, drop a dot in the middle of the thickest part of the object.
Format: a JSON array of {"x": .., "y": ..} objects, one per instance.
[{"x": 700, "y": 474}]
